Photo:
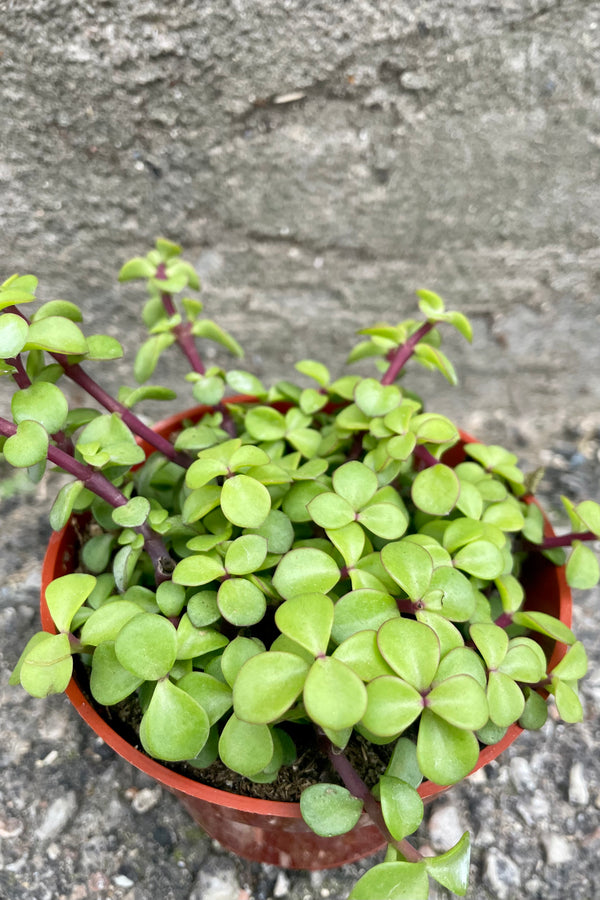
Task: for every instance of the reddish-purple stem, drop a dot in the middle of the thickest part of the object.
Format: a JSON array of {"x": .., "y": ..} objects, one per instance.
[
  {"x": 358, "y": 788},
  {"x": 424, "y": 456},
  {"x": 183, "y": 331},
  {"x": 401, "y": 356},
  {"x": 565, "y": 540},
  {"x": 103, "y": 488}
]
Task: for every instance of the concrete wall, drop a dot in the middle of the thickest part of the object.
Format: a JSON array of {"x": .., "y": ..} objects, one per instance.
[{"x": 319, "y": 161}]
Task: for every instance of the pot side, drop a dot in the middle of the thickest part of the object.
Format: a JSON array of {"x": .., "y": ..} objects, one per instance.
[{"x": 271, "y": 831}]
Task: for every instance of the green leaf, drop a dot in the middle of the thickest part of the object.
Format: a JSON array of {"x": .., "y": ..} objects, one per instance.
[
  {"x": 401, "y": 806},
  {"x": 13, "y": 334},
  {"x": 197, "y": 570},
  {"x": 103, "y": 346},
  {"x": 200, "y": 502},
  {"x": 446, "y": 754},
  {"x": 573, "y": 665},
  {"x": 212, "y": 695},
  {"x": 535, "y": 711},
  {"x": 244, "y": 383},
  {"x": 147, "y": 646},
  {"x": 461, "y": 701},
  {"x": 432, "y": 358},
  {"x": 329, "y": 809},
  {"x": 392, "y": 705},
  {"x": 305, "y": 570},
  {"x": 349, "y": 541},
  {"x": 246, "y": 554},
  {"x": 209, "y": 389},
  {"x": 589, "y": 513},
  {"x": 245, "y": 501},
  {"x": 174, "y": 727},
  {"x": 138, "y": 267},
  {"x": 202, "y": 608},
  {"x": 392, "y": 881},
  {"x": 330, "y": 511},
  {"x": 244, "y": 747},
  {"x": 491, "y": 641},
  {"x": 375, "y": 399},
  {"x": 57, "y": 334},
  {"x": 452, "y": 867},
  {"x": 278, "y": 532},
  {"x": 410, "y": 565},
  {"x": 27, "y": 446},
  {"x": 334, "y": 696},
  {"x": 195, "y": 641},
  {"x": 96, "y": 552},
  {"x": 582, "y": 570},
  {"x": 205, "y": 328},
  {"x": 130, "y": 397},
  {"x": 65, "y": 595},
  {"x": 403, "y": 763},
  {"x": 505, "y": 699},
  {"x": 105, "y": 623},
  {"x": 315, "y": 370},
  {"x": 360, "y": 610},
  {"x": 48, "y": 665},
  {"x": 58, "y": 308},
  {"x": 63, "y": 504},
  {"x": 567, "y": 702},
  {"x": 148, "y": 355},
  {"x": 235, "y": 655},
  {"x": 37, "y": 638},
  {"x": 241, "y": 602},
  {"x": 267, "y": 685},
  {"x": 361, "y": 654},
  {"x": 412, "y": 649},
  {"x": 524, "y": 661},
  {"x": 482, "y": 559},
  {"x": 307, "y": 619},
  {"x": 435, "y": 490},
  {"x": 133, "y": 513},
  {"x": 545, "y": 624}
]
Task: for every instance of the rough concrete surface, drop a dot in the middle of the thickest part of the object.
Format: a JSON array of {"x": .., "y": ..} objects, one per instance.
[{"x": 318, "y": 161}]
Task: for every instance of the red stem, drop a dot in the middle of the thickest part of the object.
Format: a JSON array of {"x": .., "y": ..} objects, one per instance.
[
  {"x": 403, "y": 353},
  {"x": 183, "y": 331},
  {"x": 358, "y": 788}
]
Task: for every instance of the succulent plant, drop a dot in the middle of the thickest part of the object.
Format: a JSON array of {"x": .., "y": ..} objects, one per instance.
[{"x": 298, "y": 558}]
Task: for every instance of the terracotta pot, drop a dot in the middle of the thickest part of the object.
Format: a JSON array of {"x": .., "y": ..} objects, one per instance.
[{"x": 265, "y": 830}]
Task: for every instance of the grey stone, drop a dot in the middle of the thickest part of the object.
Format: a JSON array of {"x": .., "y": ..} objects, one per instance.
[
  {"x": 445, "y": 827},
  {"x": 521, "y": 774},
  {"x": 502, "y": 875},
  {"x": 217, "y": 882},
  {"x": 57, "y": 816},
  {"x": 558, "y": 849},
  {"x": 578, "y": 788}
]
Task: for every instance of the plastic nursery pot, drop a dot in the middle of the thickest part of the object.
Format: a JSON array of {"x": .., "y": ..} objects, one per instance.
[{"x": 265, "y": 830}]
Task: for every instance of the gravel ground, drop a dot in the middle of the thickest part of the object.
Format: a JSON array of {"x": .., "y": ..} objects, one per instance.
[{"x": 76, "y": 822}]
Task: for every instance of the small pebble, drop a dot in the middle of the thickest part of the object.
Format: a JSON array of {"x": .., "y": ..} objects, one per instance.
[
  {"x": 218, "y": 883},
  {"x": 502, "y": 875},
  {"x": 558, "y": 849},
  {"x": 445, "y": 827},
  {"x": 56, "y": 817},
  {"x": 521, "y": 775},
  {"x": 578, "y": 789},
  {"x": 10, "y": 827},
  {"x": 282, "y": 885},
  {"x": 146, "y": 799}
]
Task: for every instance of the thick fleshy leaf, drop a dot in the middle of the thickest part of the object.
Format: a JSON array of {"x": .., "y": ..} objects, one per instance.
[
  {"x": 105, "y": 623},
  {"x": 278, "y": 532},
  {"x": 349, "y": 541},
  {"x": 523, "y": 663},
  {"x": 401, "y": 806},
  {"x": 582, "y": 570},
  {"x": 197, "y": 570},
  {"x": 133, "y": 513},
  {"x": 245, "y": 747},
  {"x": 461, "y": 701},
  {"x": 458, "y": 596},
  {"x": 57, "y": 334},
  {"x": 307, "y": 620},
  {"x": 103, "y": 346},
  {"x": 511, "y": 593},
  {"x": 392, "y": 881},
  {"x": 265, "y": 423},
  {"x": 361, "y": 653},
  {"x": 567, "y": 701},
  {"x": 375, "y": 399},
  {"x": 412, "y": 649},
  {"x": 403, "y": 763},
  {"x": 334, "y": 696},
  {"x": 48, "y": 665},
  {"x": 462, "y": 661},
  {"x": 193, "y": 641},
  {"x": 110, "y": 682},
  {"x": 28, "y": 446},
  {"x": 331, "y": 511},
  {"x": 212, "y": 695},
  {"x": 65, "y": 595},
  {"x": 267, "y": 685},
  {"x": 147, "y": 646},
  {"x": 356, "y": 483},
  {"x": 148, "y": 355},
  {"x": 436, "y": 489},
  {"x": 13, "y": 334},
  {"x": 174, "y": 726},
  {"x": 446, "y": 753},
  {"x": 535, "y": 711},
  {"x": 452, "y": 867},
  {"x": 573, "y": 665},
  {"x": 482, "y": 559},
  {"x": 361, "y": 610},
  {"x": 545, "y": 624},
  {"x": 202, "y": 608},
  {"x": 386, "y": 520},
  {"x": 505, "y": 699},
  {"x": 447, "y": 633},
  {"x": 200, "y": 502},
  {"x": 246, "y": 554},
  {"x": 305, "y": 570},
  {"x": 245, "y": 501},
  {"x": 410, "y": 565},
  {"x": 392, "y": 705},
  {"x": 241, "y": 602},
  {"x": 506, "y": 515},
  {"x": 329, "y": 809},
  {"x": 235, "y": 655},
  {"x": 589, "y": 513},
  {"x": 491, "y": 641}
]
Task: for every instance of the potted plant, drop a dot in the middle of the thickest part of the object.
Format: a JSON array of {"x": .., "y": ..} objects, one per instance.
[{"x": 324, "y": 581}]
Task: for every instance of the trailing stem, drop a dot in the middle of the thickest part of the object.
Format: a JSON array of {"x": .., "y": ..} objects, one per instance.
[
  {"x": 96, "y": 482},
  {"x": 403, "y": 353},
  {"x": 358, "y": 788}
]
